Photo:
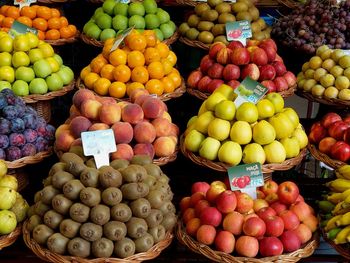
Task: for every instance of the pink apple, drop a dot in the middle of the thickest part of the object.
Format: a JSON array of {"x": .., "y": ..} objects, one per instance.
[
  {"x": 270, "y": 85},
  {"x": 259, "y": 57},
  {"x": 337, "y": 130},
  {"x": 274, "y": 226},
  {"x": 290, "y": 78},
  {"x": 269, "y": 42},
  {"x": 226, "y": 202},
  {"x": 250, "y": 70},
  {"x": 233, "y": 83},
  {"x": 231, "y": 72},
  {"x": 199, "y": 207},
  {"x": 317, "y": 133},
  {"x": 254, "y": 227},
  {"x": 279, "y": 67},
  {"x": 224, "y": 56},
  {"x": 281, "y": 84},
  {"x": 225, "y": 242},
  {"x": 269, "y": 50},
  {"x": 235, "y": 44},
  {"x": 329, "y": 118},
  {"x": 287, "y": 192},
  {"x": 271, "y": 198},
  {"x": 240, "y": 56},
  {"x": 278, "y": 207},
  {"x": 215, "y": 71},
  {"x": 270, "y": 246},
  {"x": 346, "y": 137},
  {"x": 269, "y": 187},
  {"x": 211, "y": 216},
  {"x": 194, "y": 78},
  {"x": 200, "y": 187},
  {"x": 267, "y": 72},
  {"x": 341, "y": 151},
  {"x": 290, "y": 219},
  {"x": 301, "y": 209},
  {"x": 214, "y": 84},
  {"x": 266, "y": 212},
  {"x": 215, "y": 48},
  {"x": 259, "y": 203},
  {"x": 290, "y": 241},
  {"x": 203, "y": 84},
  {"x": 303, "y": 232},
  {"x": 206, "y": 63},
  {"x": 326, "y": 144}
]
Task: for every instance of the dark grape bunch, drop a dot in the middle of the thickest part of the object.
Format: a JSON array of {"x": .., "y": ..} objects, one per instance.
[
  {"x": 22, "y": 131},
  {"x": 314, "y": 24}
]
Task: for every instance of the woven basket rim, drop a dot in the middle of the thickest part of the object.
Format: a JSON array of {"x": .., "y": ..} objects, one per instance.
[
  {"x": 50, "y": 95},
  {"x": 289, "y": 3},
  {"x": 306, "y": 251},
  {"x": 22, "y": 178},
  {"x": 339, "y": 248},
  {"x": 322, "y": 157},
  {"x": 194, "y": 43},
  {"x": 47, "y": 255},
  {"x": 38, "y": 157},
  {"x": 222, "y": 167},
  {"x": 9, "y": 239},
  {"x": 194, "y": 3},
  {"x": 63, "y": 41},
  {"x": 331, "y": 102}
]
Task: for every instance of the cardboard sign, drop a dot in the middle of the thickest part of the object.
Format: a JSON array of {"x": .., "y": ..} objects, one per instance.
[
  {"x": 238, "y": 30},
  {"x": 99, "y": 144},
  {"x": 23, "y": 3},
  {"x": 18, "y": 28},
  {"x": 249, "y": 90},
  {"x": 120, "y": 37}
]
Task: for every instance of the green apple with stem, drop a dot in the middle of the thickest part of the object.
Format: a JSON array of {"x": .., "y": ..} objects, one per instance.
[{"x": 25, "y": 73}]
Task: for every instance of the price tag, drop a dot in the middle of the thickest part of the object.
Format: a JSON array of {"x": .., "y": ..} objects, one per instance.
[
  {"x": 246, "y": 177},
  {"x": 99, "y": 144},
  {"x": 18, "y": 28},
  {"x": 120, "y": 37},
  {"x": 239, "y": 31},
  {"x": 249, "y": 90},
  {"x": 23, "y": 3},
  {"x": 346, "y": 51}
]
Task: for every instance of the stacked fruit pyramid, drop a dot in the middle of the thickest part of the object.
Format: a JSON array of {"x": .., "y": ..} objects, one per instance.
[
  {"x": 116, "y": 210},
  {"x": 143, "y": 62}
]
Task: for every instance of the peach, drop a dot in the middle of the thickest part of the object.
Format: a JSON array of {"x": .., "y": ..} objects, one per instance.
[
  {"x": 233, "y": 222},
  {"x": 247, "y": 246},
  {"x": 64, "y": 140},
  {"x": 174, "y": 130},
  {"x": 123, "y": 132},
  {"x": 73, "y": 111},
  {"x": 206, "y": 234},
  {"x": 136, "y": 93},
  {"x": 162, "y": 126},
  {"x": 78, "y": 125},
  {"x": 153, "y": 108},
  {"x": 140, "y": 99},
  {"x": 144, "y": 132},
  {"x": 192, "y": 226},
  {"x": 132, "y": 113},
  {"x": 196, "y": 197},
  {"x": 60, "y": 129},
  {"x": 244, "y": 203},
  {"x": 185, "y": 203},
  {"x": 90, "y": 109},
  {"x": 188, "y": 215},
  {"x": 312, "y": 222},
  {"x": 106, "y": 100},
  {"x": 124, "y": 151},
  {"x": 144, "y": 149},
  {"x": 98, "y": 126},
  {"x": 123, "y": 103},
  {"x": 164, "y": 146},
  {"x": 77, "y": 142},
  {"x": 225, "y": 242},
  {"x": 110, "y": 113},
  {"x": 82, "y": 95},
  {"x": 303, "y": 232}
]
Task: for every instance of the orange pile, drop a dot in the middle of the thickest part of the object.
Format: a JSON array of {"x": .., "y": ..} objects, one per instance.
[
  {"x": 143, "y": 62},
  {"x": 48, "y": 21}
]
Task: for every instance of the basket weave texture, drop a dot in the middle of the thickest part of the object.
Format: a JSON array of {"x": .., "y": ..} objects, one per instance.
[
  {"x": 194, "y": 43},
  {"x": 43, "y": 108},
  {"x": 8, "y": 240},
  {"x": 322, "y": 157},
  {"x": 28, "y": 160},
  {"x": 343, "y": 250},
  {"x": 331, "y": 102}
]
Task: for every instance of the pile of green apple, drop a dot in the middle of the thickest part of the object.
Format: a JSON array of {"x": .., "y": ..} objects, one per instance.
[
  {"x": 114, "y": 16},
  {"x": 265, "y": 132},
  {"x": 30, "y": 66}
]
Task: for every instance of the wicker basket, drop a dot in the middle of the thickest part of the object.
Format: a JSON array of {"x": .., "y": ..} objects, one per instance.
[
  {"x": 52, "y": 1},
  {"x": 322, "y": 157},
  {"x": 194, "y": 3},
  {"x": 47, "y": 255},
  {"x": 29, "y": 159},
  {"x": 43, "y": 108},
  {"x": 343, "y": 250},
  {"x": 21, "y": 176},
  {"x": 194, "y": 43},
  {"x": 331, "y": 102},
  {"x": 63, "y": 41},
  {"x": 222, "y": 167},
  {"x": 8, "y": 240},
  {"x": 164, "y": 97},
  {"x": 288, "y": 3},
  {"x": 306, "y": 251}
]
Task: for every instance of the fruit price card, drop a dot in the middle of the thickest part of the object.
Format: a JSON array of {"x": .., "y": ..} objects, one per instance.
[
  {"x": 249, "y": 90},
  {"x": 18, "y": 28},
  {"x": 238, "y": 30},
  {"x": 120, "y": 37},
  {"x": 23, "y": 3}
]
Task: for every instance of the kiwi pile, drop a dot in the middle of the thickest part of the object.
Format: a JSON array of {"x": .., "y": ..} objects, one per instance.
[
  {"x": 114, "y": 211},
  {"x": 207, "y": 24}
]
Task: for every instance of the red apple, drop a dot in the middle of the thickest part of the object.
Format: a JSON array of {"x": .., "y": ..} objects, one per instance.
[
  {"x": 216, "y": 188},
  {"x": 240, "y": 56},
  {"x": 287, "y": 192},
  {"x": 254, "y": 227},
  {"x": 267, "y": 72},
  {"x": 271, "y": 198},
  {"x": 278, "y": 207},
  {"x": 347, "y": 119},
  {"x": 317, "y": 133},
  {"x": 203, "y": 84},
  {"x": 226, "y": 202},
  {"x": 260, "y": 194},
  {"x": 235, "y": 44},
  {"x": 225, "y": 242},
  {"x": 281, "y": 84},
  {"x": 211, "y": 216},
  {"x": 279, "y": 67},
  {"x": 290, "y": 78},
  {"x": 326, "y": 144},
  {"x": 278, "y": 58},
  {"x": 270, "y": 42},
  {"x": 250, "y": 70},
  {"x": 206, "y": 63},
  {"x": 231, "y": 72},
  {"x": 300, "y": 198},
  {"x": 214, "y": 84},
  {"x": 303, "y": 232},
  {"x": 215, "y": 48},
  {"x": 301, "y": 209},
  {"x": 199, "y": 207},
  {"x": 252, "y": 43},
  {"x": 266, "y": 212},
  {"x": 290, "y": 219},
  {"x": 259, "y": 203},
  {"x": 290, "y": 241},
  {"x": 194, "y": 78},
  {"x": 270, "y": 246},
  {"x": 247, "y": 246},
  {"x": 233, "y": 222},
  {"x": 270, "y": 85},
  {"x": 274, "y": 226},
  {"x": 329, "y": 118},
  {"x": 251, "y": 49},
  {"x": 200, "y": 187},
  {"x": 337, "y": 129},
  {"x": 244, "y": 203},
  {"x": 341, "y": 151},
  {"x": 269, "y": 187},
  {"x": 233, "y": 83},
  {"x": 196, "y": 197},
  {"x": 269, "y": 50},
  {"x": 224, "y": 56},
  {"x": 259, "y": 57},
  {"x": 346, "y": 136},
  {"x": 215, "y": 71}
]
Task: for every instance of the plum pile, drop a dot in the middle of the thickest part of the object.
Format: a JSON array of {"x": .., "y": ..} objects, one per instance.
[
  {"x": 314, "y": 24},
  {"x": 22, "y": 132}
]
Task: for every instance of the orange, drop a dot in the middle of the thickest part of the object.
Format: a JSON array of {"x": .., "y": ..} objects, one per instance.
[
  {"x": 137, "y": 42},
  {"x": 151, "y": 38},
  {"x": 13, "y": 12},
  {"x": 169, "y": 85},
  {"x": 117, "y": 57},
  {"x": 139, "y": 74},
  {"x": 117, "y": 89},
  {"x": 97, "y": 63},
  {"x": 126, "y": 49},
  {"x": 155, "y": 70},
  {"x": 107, "y": 72},
  {"x": 64, "y": 21},
  {"x": 85, "y": 71},
  {"x": 55, "y": 12},
  {"x": 43, "y": 12},
  {"x": 101, "y": 86},
  {"x": 40, "y": 23},
  {"x": 163, "y": 49},
  {"x": 155, "y": 86},
  {"x": 132, "y": 86},
  {"x": 176, "y": 78},
  {"x": 41, "y": 35},
  {"x": 128, "y": 37},
  {"x": 90, "y": 78},
  {"x": 54, "y": 23},
  {"x": 172, "y": 58},
  {"x": 6, "y": 29},
  {"x": 3, "y": 9},
  {"x": 107, "y": 47},
  {"x": 7, "y": 22},
  {"x": 151, "y": 55},
  {"x": 28, "y": 11},
  {"x": 35, "y": 7},
  {"x": 1, "y": 18},
  {"x": 135, "y": 58},
  {"x": 65, "y": 32},
  {"x": 25, "y": 20},
  {"x": 52, "y": 34},
  {"x": 122, "y": 73},
  {"x": 73, "y": 30},
  {"x": 167, "y": 66}
]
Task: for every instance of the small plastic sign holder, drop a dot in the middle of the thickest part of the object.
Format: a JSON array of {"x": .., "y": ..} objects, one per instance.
[
  {"x": 249, "y": 91},
  {"x": 99, "y": 144},
  {"x": 23, "y": 3},
  {"x": 238, "y": 31},
  {"x": 18, "y": 28},
  {"x": 246, "y": 178},
  {"x": 120, "y": 37}
]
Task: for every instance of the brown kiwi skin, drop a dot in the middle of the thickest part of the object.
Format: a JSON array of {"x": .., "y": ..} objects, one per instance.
[
  {"x": 57, "y": 243},
  {"x": 168, "y": 207},
  {"x": 89, "y": 177},
  {"x": 91, "y": 163},
  {"x": 47, "y": 193},
  {"x": 144, "y": 243},
  {"x": 61, "y": 204},
  {"x": 69, "y": 228},
  {"x": 100, "y": 214},
  {"x": 90, "y": 231},
  {"x": 140, "y": 207},
  {"x": 52, "y": 219},
  {"x": 74, "y": 163},
  {"x": 41, "y": 233},
  {"x": 137, "y": 227},
  {"x": 33, "y": 221},
  {"x": 79, "y": 212},
  {"x": 121, "y": 212},
  {"x": 154, "y": 218},
  {"x": 141, "y": 159},
  {"x": 114, "y": 230},
  {"x": 112, "y": 196},
  {"x": 72, "y": 189},
  {"x": 134, "y": 173},
  {"x": 124, "y": 248},
  {"x": 90, "y": 196},
  {"x": 109, "y": 177},
  {"x": 153, "y": 169},
  {"x": 79, "y": 247},
  {"x": 60, "y": 178},
  {"x": 158, "y": 233},
  {"x": 60, "y": 166},
  {"x": 156, "y": 198},
  {"x": 40, "y": 208},
  {"x": 119, "y": 163},
  {"x": 133, "y": 191},
  {"x": 102, "y": 248},
  {"x": 169, "y": 221}
]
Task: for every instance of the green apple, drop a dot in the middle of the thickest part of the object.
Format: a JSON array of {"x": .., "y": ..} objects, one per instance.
[
  {"x": 209, "y": 148},
  {"x": 219, "y": 129},
  {"x": 263, "y": 133},
  {"x": 8, "y": 222},
  {"x": 120, "y": 22},
  {"x": 241, "y": 132},
  {"x": 277, "y": 101},
  {"x": 282, "y": 125},
  {"x": 300, "y": 134},
  {"x": 4, "y": 85},
  {"x": 55, "y": 66},
  {"x": 225, "y": 110},
  {"x": 21, "y": 43},
  {"x": 167, "y": 30},
  {"x": 19, "y": 59},
  {"x": 163, "y": 16},
  {"x": 193, "y": 140},
  {"x": 292, "y": 116},
  {"x": 212, "y": 100},
  {"x": 265, "y": 109},
  {"x": 108, "y": 6},
  {"x": 136, "y": 8},
  {"x": 253, "y": 153},
  {"x": 38, "y": 86},
  {"x": 344, "y": 94},
  {"x": 150, "y": 6},
  {"x": 69, "y": 71},
  {"x": 54, "y": 82},
  {"x": 7, "y": 73},
  {"x": 202, "y": 108},
  {"x": 191, "y": 121},
  {"x": 248, "y": 112},
  {"x": 42, "y": 68},
  {"x": 58, "y": 59},
  {"x": 120, "y": 9},
  {"x": 33, "y": 40},
  {"x": 107, "y": 33},
  {"x": 227, "y": 91},
  {"x": 46, "y": 49},
  {"x": 20, "y": 88},
  {"x": 6, "y": 44},
  {"x": 104, "y": 21},
  {"x": 275, "y": 152},
  {"x": 203, "y": 121},
  {"x": 5, "y": 59},
  {"x": 291, "y": 145},
  {"x": 65, "y": 76},
  {"x": 25, "y": 73},
  {"x": 152, "y": 21},
  {"x": 230, "y": 152},
  {"x": 35, "y": 54}
]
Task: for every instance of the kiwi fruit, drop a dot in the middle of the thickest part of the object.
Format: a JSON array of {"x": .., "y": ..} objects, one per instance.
[
  {"x": 193, "y": 20},
  {"x": 109, "y": 177},
  {"x": 89, "y": 177},
  {"x": 37, "y": 196},
  {"x": 119, "y": 163},
  {"x": 78, "y": 150},
  {"x": 225, "y": 18},
  {"x": 133, "y": 191},
  {"x": 192, "y": 33},
  {"x": 52, "y": 219},
  {"x": 112, "y": 196},
  {"x": 33, "y": 221},
  {"x": 90, "y": 196},
  {"x": 141, "y": 159},
  {"x": 156, "y": 198},
  {"x": 221, "y": 38},
  {"x": 102, "y": 248},
  {"x": 239, "y": 7},
  {"x": 137, "y": 227},
  {"x": 72, "y": 189},
  {"x": 79, "y": 247},
  {"x": 205, "y": 26},
  {"x": 144, "y": 243},
  {"x": 40, "y": 208},
  {"x": 41, "y": 233},
  {"x": 168, "y": 207},
  {"x": 75, "y": 164},
  {"x": 47, "y": 181},
  {"x": 124, "y": 248},
  {"x": 200, "y": 8},
  {"x": 114, "y": 230},
  {"x": 121, "y": 212},
  {"x": 218, "y": 29},
  {"x": 69, "y": 228},
  {"x": 140, "y": 208},
  {"x": 60, "y": 166},
  {"x": 47, "y": 193},
  {"x": 169, "y": 221},
  {"x": 79, "y": 212},
  {"x": 157, "y": 232},
  {"x": 57, "y": 243},
  {"x": 153, "y": 169},
  {"x": 60, "y": 178},
  {"x": 61, "y": 204},
  {"x": 223, "y": 8},
  {"x": 30, "y": 211},
  {"x": 91, "y": 163},
  {"x": 164, "y": 179},
  {"x": 151, "y": 181},
  {"x": 154, "y": 218},
  {"x": 134, "y": 173},
  {"x": 90, "y": 231},
  {"x": 100, "y": 214},
  {"x": 163, "y": 187}
]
